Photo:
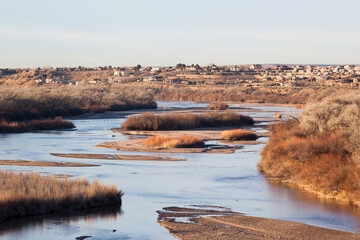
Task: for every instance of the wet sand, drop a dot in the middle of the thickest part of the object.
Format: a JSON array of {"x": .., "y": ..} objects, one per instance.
[
  {"x": 116, "y": 157},
  {"x": 220, "y": 223},
  {"x": 44, "y": 164}
]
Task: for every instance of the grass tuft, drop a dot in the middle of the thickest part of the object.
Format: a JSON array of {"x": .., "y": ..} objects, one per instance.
[
  {"x": 239, "y": 134},
  {"x": 184, "y": 141}
]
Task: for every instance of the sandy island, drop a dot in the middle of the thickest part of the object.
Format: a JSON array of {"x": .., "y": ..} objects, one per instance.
[
  {"x": 222, "y": 223},
  {"x": 116, "y": 157},
  {"x": 208, "y": 134},
  {"x": 44, "y": 163}
]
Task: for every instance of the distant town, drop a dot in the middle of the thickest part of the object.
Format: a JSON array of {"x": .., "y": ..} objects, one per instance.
[{"x": 255, "y": 75}]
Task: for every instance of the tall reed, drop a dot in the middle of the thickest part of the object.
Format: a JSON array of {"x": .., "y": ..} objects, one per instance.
[{"x": 150, "y": 121}]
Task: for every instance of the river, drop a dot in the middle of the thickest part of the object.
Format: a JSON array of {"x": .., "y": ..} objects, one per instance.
[{"x": 227, "y": 180}]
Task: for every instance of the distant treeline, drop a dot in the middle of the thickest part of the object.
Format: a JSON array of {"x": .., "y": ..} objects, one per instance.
[{"x": 241, "y": 94}]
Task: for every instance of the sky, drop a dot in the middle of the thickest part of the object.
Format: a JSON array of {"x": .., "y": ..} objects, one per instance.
[{"x": 37, "y": 33}]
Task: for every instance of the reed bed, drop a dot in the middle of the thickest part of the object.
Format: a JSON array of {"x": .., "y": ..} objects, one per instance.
[
  {"x": 239, "y": 134},
  {"x": 320, "y": 150},
  {"x": 34, "y": 125},
  {"x": 24, "y": 194},
  {"x": 150, "y": 121},
  {"x": 218, "y": 106},
  {"x": 184, "y": 141}
]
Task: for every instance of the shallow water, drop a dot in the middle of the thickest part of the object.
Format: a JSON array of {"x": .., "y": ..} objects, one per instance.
[{"x": 227, "y": 180}]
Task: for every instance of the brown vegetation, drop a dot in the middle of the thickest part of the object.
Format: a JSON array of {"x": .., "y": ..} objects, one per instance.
[
  {"x": 320, "y": 152},
  {"x": 20, "y": 104},
  {"x": 218, "y": 106},
  {"x": 25, "y": 194},
  {"x": 184, "y": 141},
  {"x": 235, "y": 94},
  {"x": 239, "y": 134},
  {"x": 150, "y": 121},
  {"x": 46, "y": 124}
]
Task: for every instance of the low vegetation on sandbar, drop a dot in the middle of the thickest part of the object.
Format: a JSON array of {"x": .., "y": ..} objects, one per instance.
[
  {"x": 218, "y": 106},
  {"x": 24, "y": 194},
  {"x": 34, "y": 125},
  {"x": 18, "y": 106},
  {"x": 320, "y": 151},
  {"x": 184, "y": 141},
  {"x": 181, "y": 121},
  {"x": 239, "y": 134}
]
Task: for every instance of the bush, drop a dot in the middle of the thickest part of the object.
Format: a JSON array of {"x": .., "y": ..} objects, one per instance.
[
  {"x": 184, "y": 141},
  {"x": 239, "y": 134},
  {"x": 218, "y": 106},
  {"x": 150, "y": 121}
]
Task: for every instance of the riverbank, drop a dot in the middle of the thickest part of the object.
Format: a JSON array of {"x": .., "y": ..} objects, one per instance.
[{"x": 319, "y": 150}]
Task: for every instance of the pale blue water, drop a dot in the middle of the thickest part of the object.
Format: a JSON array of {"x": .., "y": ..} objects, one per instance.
[{"x": 227, "y": 180}]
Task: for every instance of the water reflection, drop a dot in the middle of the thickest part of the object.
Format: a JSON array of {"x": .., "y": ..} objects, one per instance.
[
  {"x": 15, "y": 226},
  {"x": 311, "y": 201}
]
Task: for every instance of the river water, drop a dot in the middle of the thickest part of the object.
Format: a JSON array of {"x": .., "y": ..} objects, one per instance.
[{"x": 227, "y": 180}]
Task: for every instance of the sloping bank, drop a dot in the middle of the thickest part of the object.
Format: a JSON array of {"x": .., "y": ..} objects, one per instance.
[{"x": 319, "y": 151}]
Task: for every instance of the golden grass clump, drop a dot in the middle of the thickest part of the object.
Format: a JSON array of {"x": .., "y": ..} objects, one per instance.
[
  {"x": 184, "y": 141},
  {"x": 150, "y": 121},
  {"x": 24, "y": 194},
  {"x": 218, "y": 106},
  {"x": 239, "y": 134}
]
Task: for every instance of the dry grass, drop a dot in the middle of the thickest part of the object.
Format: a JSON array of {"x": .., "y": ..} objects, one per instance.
[
  {"x": 25, "y": 194},
  {"x": 319, "y": 162},
  {"x": 218, "y": 106},
  {"x": 20, "y": 104},
  {"x": 150, "y": 121},
  {"x": 239, "y": 134},
  {"x": 46, "y": 124},
  {"x": 184, "y": 141},
  {"x": 320, "y": 151},
  {"x": 236, "y": 94}
]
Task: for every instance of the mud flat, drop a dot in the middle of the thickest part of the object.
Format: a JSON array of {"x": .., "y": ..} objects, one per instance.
[
  {"x": 137, "y": 145},
  {"x": 222, "y": 223},
  {"x": 44, "y": 164},
  {"x": 116, "y": 157}
]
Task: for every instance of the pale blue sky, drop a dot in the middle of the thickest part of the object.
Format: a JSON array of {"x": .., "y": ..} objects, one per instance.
[{"x": 163, "y": 32}]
